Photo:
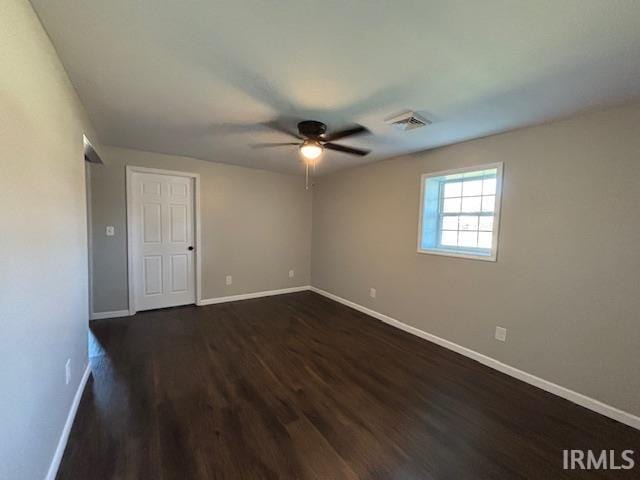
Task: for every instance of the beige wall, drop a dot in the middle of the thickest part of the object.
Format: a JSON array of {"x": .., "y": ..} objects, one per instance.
[
  {"x": 43, "y": 244},
  {"x": 565, "y": 284},
  {"x": 256, "y": 226},
  {"x": 566, "y": 280}
]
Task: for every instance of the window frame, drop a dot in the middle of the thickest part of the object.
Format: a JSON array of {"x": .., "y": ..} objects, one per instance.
[{"x": 443, "y": 251}]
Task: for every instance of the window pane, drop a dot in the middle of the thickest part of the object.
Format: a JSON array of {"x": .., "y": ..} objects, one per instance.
[
  {"x": 489, "y": 186},
  {"x": 488, "y": 203},
  {"x": 484, "y": 239},
  {"x": 471, "y": 204},
  {"x": 449, "y": 238},
  {"x": 458, "y": 212},
  {"x": 450, "y": 222},
  {"x": 486, "y": 223},
  {"x": 468, "y": 239},
  {"x": 451, "y": 205},
  {"x": 472, "y": 188},
  {"x": 453, "y": 189},
  {"x": 469, "y": 223}
]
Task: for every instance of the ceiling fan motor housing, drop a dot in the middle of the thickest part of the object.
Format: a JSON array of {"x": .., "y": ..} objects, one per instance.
[
  {"x": 315, "y": 139},
  {"x": 311, "y": 128}
]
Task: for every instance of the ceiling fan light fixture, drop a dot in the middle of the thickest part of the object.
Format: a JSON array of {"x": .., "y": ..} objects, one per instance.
[{"x": 311, "y": 149}]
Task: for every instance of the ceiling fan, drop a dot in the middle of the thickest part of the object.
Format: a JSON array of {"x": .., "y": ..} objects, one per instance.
[{"x": 314, "y": 139}]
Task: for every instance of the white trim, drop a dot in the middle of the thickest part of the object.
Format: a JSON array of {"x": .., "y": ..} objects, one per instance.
[
  {"x": 64, "y": 436},
  {"x": 198, "y": 238},
  {"x": 446, "y": 253},
  {"x": 114, "y": 314},
  {"x": 575, "y": 397},
  {"x": 89, "y": 215},
  {"x": 499, "y": 166},
  {"x": 130, "y": 170},
  {"x": 246, "y": 296}
]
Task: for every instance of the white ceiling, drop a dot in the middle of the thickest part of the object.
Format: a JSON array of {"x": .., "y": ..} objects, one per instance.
[{"x": 197, "y": 77}]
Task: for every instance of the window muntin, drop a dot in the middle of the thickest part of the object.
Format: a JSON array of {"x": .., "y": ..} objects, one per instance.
[{"x": 459, "y": 212}]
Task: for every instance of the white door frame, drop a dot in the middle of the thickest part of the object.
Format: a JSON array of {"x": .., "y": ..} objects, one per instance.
[
  {"x": 131, "y": 169},
  {"x": 90, "y": 157}
]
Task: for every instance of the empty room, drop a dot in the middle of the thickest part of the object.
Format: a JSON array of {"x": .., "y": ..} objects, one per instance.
[{"x": 303, "y": 239}]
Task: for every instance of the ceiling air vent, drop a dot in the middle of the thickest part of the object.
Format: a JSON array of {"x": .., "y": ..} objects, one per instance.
[{"x": 408, "y": 121}]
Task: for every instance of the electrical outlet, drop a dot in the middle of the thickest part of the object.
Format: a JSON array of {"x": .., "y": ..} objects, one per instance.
[
  {"x": 291, "y": 273},
  {"x": 67, "y": 371},
  {"x": 501, "y": 334},
  {"x": 228, "y": 280},
  {"x": 110, "y": 231},
  {"x": 372, "y": 292}
]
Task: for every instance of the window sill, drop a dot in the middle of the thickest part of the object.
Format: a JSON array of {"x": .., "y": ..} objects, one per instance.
[{"x": 451, "y": 253}]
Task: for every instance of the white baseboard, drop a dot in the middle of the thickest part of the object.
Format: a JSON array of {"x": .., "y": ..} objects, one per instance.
[
  {"x": 246, "y": 296},
  {"x": 114, "y": 314},
  {"x": 62, "y": 443},
  {"x": 575, "y": 397}
]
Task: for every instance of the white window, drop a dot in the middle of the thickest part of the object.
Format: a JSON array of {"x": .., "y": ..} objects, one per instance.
[{"x": 459, "y": 212}]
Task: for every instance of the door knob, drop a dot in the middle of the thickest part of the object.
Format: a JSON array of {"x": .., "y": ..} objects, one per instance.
[{"x": 190, "y": 248}]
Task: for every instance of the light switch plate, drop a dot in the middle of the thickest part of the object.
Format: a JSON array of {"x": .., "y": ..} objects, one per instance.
[
  {"x": 110, "y": 231},
  {"x": 501, "y": 334},
  {"x": 67, "y": 371}
]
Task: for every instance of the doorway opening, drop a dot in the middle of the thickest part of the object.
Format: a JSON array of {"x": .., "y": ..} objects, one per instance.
[{"x": 91, "y": 157}]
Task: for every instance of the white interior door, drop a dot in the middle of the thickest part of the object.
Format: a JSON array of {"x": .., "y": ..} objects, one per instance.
[{"x": 162, "y": 240}]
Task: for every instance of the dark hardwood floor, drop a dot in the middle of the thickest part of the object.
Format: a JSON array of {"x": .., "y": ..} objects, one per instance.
[{"x": 298, "y": 386}]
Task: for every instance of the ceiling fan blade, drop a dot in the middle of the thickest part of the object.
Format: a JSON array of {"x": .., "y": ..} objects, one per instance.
[
  {"x": 349, "y": 150},
  {"x": 268, "y": 145},
  {"x": 276, "y": 126},
  {"x": 349, "y": 132}
]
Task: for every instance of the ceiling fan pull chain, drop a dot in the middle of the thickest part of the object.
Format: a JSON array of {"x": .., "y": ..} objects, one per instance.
[
  {"x": 313, "y": 172},
  {"x": 306, "y": 176}
]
